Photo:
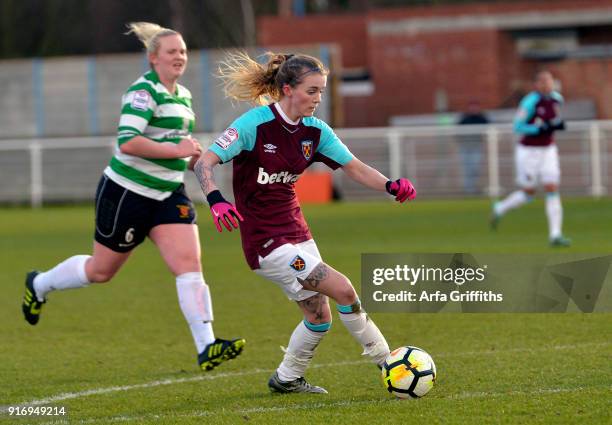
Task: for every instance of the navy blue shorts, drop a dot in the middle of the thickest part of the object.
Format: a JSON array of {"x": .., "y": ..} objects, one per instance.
[{"x": 124, "y": 218}]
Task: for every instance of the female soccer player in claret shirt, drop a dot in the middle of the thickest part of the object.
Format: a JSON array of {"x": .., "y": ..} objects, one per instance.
[
  {"x": 537, "y": 156},
  {"x": 271, "y": 146},
  {"x": 141, "y": 194}
]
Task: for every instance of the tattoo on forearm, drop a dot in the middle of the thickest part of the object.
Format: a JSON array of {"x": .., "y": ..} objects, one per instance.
[
  {"x": 319, "y": 274},
  {"x": 204, "y": 173}
]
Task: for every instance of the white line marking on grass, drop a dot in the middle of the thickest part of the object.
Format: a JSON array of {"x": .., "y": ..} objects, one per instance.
[
  {"x": 502, "y": 350},
  {"x": 539, "y": 391},
  {"x": 309, "y": 406},
  {"x": 97, "y": 391},
  {"x": 205, "y": 413},
  {"x": 171, "y": 381}
]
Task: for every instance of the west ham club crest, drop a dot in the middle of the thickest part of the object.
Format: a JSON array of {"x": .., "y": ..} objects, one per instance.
[
  {"x": 298, "y": 264},
  {"x": 307, "y": 149}
]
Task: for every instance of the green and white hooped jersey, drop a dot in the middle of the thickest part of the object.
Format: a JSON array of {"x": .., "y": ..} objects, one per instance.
[{"x": 149, "y": 110}]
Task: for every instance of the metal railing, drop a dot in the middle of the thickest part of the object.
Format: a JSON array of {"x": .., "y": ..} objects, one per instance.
[
  {"x": 39, "y": 170},
  {"x": 431, "y": 156}
]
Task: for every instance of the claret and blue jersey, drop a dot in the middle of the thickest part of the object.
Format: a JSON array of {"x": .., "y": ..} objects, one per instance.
[
  {"x": 534, "y": 109},
  {"x": 269, "y": 154}
]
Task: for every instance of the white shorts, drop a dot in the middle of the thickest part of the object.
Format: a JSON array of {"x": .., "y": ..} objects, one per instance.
[
  {"x": 288, "y": 262},
  {"x": 537, "y": 164}
]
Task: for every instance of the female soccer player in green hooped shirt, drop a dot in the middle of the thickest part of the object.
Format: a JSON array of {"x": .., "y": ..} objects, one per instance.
[{"x": 141, "y": 194}]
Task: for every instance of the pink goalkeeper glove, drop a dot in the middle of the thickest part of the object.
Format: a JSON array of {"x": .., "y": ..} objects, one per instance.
[
  {"x": 402, "y": 189},
  {"x": 222, "y": 211}
]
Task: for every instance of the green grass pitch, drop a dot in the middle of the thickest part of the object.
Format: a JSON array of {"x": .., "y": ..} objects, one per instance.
[{"x": 122, "y": 353}]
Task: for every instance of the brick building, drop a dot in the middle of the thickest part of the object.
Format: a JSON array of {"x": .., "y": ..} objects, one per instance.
[{"x": 422, "y": 60}]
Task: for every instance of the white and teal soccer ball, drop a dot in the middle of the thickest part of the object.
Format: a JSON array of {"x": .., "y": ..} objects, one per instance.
[{"x": 409, "y": 372}]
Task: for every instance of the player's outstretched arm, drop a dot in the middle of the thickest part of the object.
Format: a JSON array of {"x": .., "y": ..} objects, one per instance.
[
  {"x": 222, "y": 211},
  {"x": 362, "y": 173}
]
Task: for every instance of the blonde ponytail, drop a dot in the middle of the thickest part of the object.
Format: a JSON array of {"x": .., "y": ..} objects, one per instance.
[
  {"x": 149, "y": 34},
  {"x": 244, "y": 79}
]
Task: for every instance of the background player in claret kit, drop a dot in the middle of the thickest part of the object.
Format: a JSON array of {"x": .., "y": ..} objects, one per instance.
[
  {"x": 537, "y": 156},
  {"x": 271, "y": 146},
  {"x": 141, "y": 194}
]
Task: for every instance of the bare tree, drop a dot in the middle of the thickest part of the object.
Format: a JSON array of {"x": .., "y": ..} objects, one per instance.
[
  {"x": 177, "y": 15},
  {"x": 248, "y": 21}
]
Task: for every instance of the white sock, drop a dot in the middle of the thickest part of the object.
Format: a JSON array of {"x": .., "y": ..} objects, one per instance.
[
  {"x": 301, "y": 348},
  {"x": 365, "y": 332},
  {"x": 68, "y": 274},
  {"x": 195, "y": 302},
  {"x": 554, "y": 212},
  {"x": 514, "y": 200}
]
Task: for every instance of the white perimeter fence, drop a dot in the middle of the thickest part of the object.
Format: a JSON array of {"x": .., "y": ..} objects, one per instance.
[{"x": 38, "y": 171}]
